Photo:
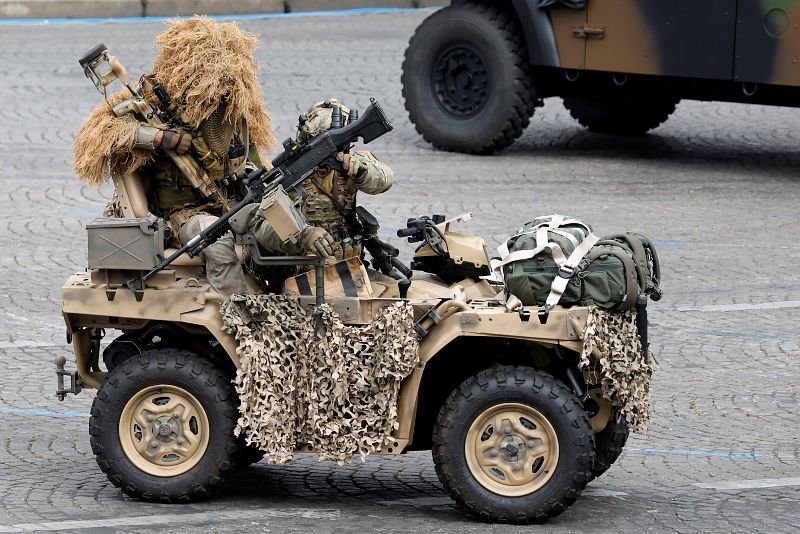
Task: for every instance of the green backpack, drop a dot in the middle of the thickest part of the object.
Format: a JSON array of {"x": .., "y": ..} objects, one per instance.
[{"x": 559, "y": 260}]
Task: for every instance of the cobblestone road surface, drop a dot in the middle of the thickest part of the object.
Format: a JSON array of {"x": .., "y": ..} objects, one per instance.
[{"x": 717, "y": 186}]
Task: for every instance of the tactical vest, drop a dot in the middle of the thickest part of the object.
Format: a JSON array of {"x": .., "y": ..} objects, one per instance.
[
  {"x": 329, "y": 202},
  {"x": 219, "y": 149}
]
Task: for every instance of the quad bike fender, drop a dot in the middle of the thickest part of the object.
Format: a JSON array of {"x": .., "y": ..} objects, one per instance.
[
  {"x": 563, "y": 327},
  {"x": 87, "y": 306}
]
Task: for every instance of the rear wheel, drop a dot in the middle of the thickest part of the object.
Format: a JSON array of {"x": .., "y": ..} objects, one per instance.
[
  {"x": 609, "y": 443},
  {"x": 610, "y": 431},
  {"x": 624, "y": 116},
  {"x": 513, "y": 445},
  {"x": 248, "y": 454},
  {"x": 162, "y": 426},
  {"x": 466, "y": 79}
]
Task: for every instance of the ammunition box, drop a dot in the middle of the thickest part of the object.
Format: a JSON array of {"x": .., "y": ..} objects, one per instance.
[
  {"x": 132, "y": 244},
  {"x": 279, "y": 211}
]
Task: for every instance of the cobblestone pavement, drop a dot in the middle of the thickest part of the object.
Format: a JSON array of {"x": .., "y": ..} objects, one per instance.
[{"x": 717, "y": 186}]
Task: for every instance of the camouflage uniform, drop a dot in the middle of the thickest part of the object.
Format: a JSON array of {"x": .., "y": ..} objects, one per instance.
[
  {"x": 330, "y": 195},
  {"x": 329, "y": 202},
  {"x": 172, "y": 197}
]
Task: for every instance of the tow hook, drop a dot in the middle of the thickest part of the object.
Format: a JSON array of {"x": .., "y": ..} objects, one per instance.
[{"x": 75, "y": 382}]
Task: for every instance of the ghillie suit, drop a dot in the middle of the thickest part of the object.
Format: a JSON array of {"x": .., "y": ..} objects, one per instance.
[
  {"x": 205, "y": 66},
  {"x": 208, "y": 70}
]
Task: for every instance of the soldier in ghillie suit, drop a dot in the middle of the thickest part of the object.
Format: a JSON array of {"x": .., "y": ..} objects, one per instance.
[{"x": 208, "y": 70}]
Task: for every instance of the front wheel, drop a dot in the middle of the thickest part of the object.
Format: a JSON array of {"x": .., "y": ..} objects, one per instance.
[
  {"x": 609, "y": 443},
  {"x": 610, "y": 431},
  {"x": 162, "y": 426},
  {"x": 513, "y": 445}
]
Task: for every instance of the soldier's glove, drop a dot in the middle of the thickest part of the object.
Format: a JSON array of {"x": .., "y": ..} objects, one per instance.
[
  {"x": 355, "y": 165},
  {"x": 176, "y": 140},
  {"x": 318, "y": 242}
]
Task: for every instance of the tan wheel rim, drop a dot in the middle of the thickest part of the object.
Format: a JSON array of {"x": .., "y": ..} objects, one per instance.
[
  {"x": 511, "y": 449},
  {"x": 164, "y": 431}
]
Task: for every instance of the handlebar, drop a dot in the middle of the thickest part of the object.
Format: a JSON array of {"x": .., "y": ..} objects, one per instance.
[{"x": 407, "y": 232}]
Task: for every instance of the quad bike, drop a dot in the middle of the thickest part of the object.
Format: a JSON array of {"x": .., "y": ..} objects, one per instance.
[
  {"x": 515, "y": 432},
  {"x": 497, "y": 396}
]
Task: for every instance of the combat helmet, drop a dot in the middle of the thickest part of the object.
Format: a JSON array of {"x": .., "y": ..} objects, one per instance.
[{"x": 317, "y": 119}]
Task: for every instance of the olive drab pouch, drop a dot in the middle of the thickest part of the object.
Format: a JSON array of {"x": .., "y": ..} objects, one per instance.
[
  {"x": 647, "y": 264},
  {"x": 346, "y": 278},
  {"x": 559, "y": 260}
]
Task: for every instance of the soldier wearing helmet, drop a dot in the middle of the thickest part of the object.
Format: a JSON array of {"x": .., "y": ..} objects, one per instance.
[{"x": 330, "y": 195}]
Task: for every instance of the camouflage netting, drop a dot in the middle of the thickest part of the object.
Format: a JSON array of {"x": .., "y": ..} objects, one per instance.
[
  {"x": 617, "y": 365},
  {"x": 337, "y": 393}
]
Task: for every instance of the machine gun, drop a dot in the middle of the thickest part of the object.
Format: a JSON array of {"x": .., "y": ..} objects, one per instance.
[
  {"x": 384, "y": 255},
  {"x": 289, "y": 170}
]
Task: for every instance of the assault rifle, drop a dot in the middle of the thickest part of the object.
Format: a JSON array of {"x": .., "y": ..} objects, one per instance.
[
  {"x": 384, "y": 255},
  {"x": 289, "y": 170}
]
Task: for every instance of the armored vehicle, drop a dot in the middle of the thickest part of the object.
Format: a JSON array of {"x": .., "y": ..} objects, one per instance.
[
  {"x": 515, "y": 429},
  {"x": 475, "y": 71}
]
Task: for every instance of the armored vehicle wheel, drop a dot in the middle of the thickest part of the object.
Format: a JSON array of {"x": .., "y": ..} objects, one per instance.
[
  {"x": 623, "y": 116},
  {"x": 162, "y": 426},
  {"x": 466, "y": 80},
  {"x": 513, "y": 445},
  {"x": 609, "y": 443}
]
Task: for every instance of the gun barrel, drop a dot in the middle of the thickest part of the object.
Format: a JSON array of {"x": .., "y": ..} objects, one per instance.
[{"x": 165, "y": 263}]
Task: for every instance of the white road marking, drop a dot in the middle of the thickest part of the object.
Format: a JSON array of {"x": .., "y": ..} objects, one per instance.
[
  {"x": 29, "y": 344},
  {"x": 750, "y": 484},
  {"x": 15, "y": 316},
  {"x": 151, "y": 520},
  {"x": 743, "y": 307},
  {"x": 446, "y": 501}
]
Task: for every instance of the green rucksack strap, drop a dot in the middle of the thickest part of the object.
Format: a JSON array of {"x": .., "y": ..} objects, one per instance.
[
  {"x": 520, "y": 255},
  {"x": 566, "y": 269},
  {"x": 656, "y": 267}
]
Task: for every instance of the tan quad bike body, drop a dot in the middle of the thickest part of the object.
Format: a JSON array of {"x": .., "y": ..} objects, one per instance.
[{"x": 497, "y": 382}]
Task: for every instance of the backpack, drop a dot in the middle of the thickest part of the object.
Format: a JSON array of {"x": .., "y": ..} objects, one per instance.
[{"x": 558, "y": 259}]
